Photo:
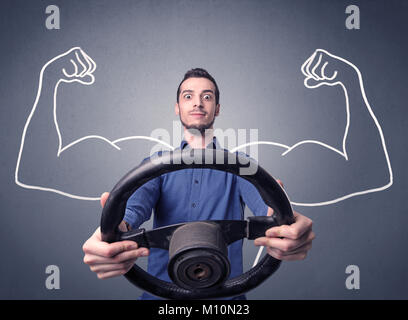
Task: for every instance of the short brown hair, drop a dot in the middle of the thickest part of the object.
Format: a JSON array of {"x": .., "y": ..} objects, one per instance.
[{"x": 200, "y": 73}]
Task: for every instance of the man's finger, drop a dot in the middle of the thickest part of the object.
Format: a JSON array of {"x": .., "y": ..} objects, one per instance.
[
  {"x": 93, "y": 259},
  {"x": 104, "y": 197},
  {"x": 294, "y": 231},
  {"x": 131, "y": 255},
  {"x": 111, "y": 274},
  {"x": 284, "y": 244},
  {"x": 285, "y": 231},
  {"x": 101, "y": 268},
  {"x": 120, "y": 258},
  {"x": 109, "y": 250},
  {"x": 277, "y": 254}
]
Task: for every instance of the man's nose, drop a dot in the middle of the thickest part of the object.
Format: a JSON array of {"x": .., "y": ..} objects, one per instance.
[{"x": 198, "y": 102}]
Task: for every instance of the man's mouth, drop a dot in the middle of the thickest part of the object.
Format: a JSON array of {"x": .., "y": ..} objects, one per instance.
[{"x": 197, "y": 114}]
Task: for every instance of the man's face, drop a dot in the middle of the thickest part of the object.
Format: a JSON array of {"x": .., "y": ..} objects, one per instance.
[{"x": 196, "y": 107}]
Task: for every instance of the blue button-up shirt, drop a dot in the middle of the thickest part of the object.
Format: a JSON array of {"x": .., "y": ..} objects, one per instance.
[{"x": 192, "y": 195}]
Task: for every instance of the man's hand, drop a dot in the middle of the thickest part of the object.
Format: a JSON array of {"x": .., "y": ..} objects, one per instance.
[
  {"x": 289, "y": 242},
  {"x": 110, "y": 259}
]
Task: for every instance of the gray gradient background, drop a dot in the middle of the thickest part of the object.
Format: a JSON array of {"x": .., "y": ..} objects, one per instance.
[{"x": 254, "y": 49}]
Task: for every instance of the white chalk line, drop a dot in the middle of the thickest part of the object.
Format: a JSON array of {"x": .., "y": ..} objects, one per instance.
[
  {"x": 311, "y": 74},
  {"x": 86, "y": 72},
  {"x": 304, "y": 69}
]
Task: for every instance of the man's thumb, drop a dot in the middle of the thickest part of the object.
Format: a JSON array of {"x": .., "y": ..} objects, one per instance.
[{"x": 104, "y": 197}]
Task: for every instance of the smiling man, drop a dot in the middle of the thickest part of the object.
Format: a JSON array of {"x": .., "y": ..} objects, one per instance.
[{"x": 194, "y": 194}]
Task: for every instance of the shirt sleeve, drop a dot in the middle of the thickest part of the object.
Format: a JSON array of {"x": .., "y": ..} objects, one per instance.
[
  {"x": 251, "y": 197},
  {"x": 250, "y": 194},
  {"x": 141, "y": 203}
]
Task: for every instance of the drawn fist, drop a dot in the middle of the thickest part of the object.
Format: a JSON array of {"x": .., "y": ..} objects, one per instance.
[
  {"x": 324, "y": 68},
  {"x": 72, "y": 66}
]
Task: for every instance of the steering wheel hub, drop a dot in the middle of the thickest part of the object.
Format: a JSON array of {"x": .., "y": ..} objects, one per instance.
[{"x": 198, "y": 256}]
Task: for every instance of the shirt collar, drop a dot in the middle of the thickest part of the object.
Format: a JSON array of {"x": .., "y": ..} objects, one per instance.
[{"x": 212, "y": 145}]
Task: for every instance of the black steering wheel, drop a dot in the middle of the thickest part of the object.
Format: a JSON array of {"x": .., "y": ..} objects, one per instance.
[{"x": 198, "y": 263}]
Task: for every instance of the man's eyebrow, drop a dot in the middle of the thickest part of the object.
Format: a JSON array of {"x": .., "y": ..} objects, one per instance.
[{"x": 188, "y": 90}]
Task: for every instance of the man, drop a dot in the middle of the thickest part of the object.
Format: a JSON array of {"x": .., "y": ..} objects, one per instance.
[
  {"x": 320, "y": 170},
  {"x": 198, "y": 194}
]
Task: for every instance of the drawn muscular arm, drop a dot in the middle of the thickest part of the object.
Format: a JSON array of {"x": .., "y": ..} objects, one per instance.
[
  {"x": 320, "y": 174},
  {"x": 362, "y": 163},
  {"x": 77, "y": 169}
]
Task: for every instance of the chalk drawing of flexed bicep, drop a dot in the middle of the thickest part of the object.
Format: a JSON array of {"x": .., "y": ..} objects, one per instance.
[
  {"x": 320, "y": 69},
  {"x": 365, "y": 150},
  {"x": 42, "y": 146},
  {"x": 325, "y": 69}
]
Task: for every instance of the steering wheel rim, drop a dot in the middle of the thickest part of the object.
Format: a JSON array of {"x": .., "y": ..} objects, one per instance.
[{"x": 271, "y": 192}]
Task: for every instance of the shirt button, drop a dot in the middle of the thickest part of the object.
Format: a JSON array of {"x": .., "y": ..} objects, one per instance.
[
  {"x": 196, "y": 181},
  {"x": 193, "y": 205}
]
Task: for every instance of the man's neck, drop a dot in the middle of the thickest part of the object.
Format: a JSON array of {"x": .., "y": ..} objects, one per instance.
[{"x": 198, "y": 141}]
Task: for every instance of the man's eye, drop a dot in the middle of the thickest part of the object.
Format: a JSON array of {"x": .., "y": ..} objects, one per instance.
[
  {"x": 187, "y": 96},
  {"x": 207, "y": 97}
]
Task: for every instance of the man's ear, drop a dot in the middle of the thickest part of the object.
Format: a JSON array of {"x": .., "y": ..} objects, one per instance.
[
  {"x": 217, "y": 110},
  {"x": 177, "y": 109}
]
